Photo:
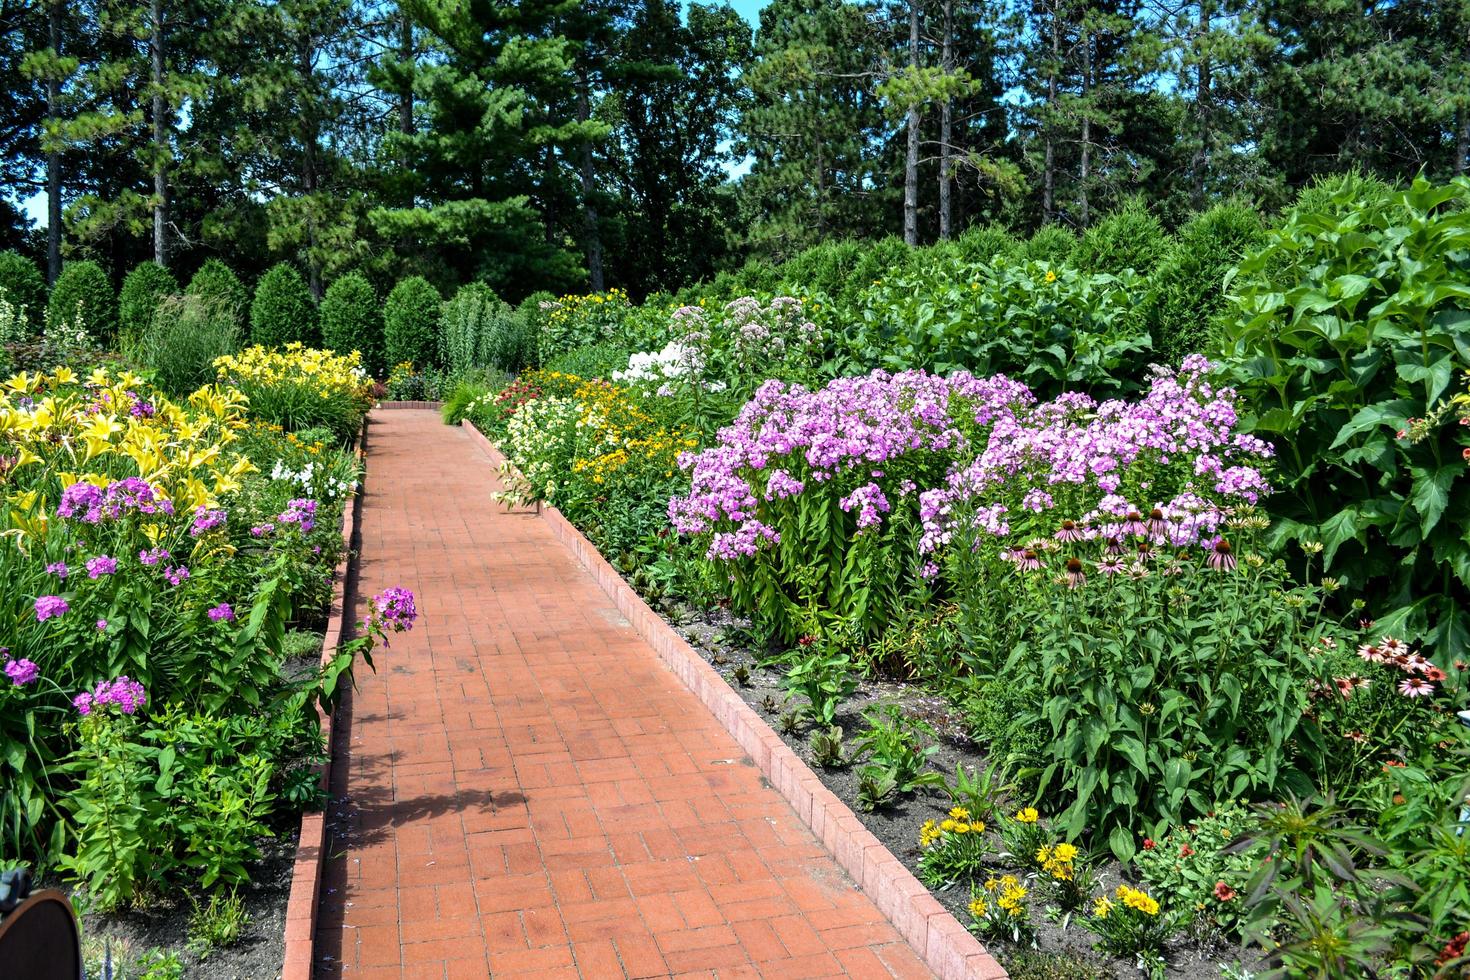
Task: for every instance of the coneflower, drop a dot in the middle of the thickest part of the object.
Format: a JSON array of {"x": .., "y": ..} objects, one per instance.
[
  {"x": 1133, "y": 523},
  {"x": 1415, "y": 687},
  {"x": 1069, "y": 532},
  {"x": 1114, "y": 545},
  {"x": 1029, "y": 560},
  {"x": 1075, "y": 575},
  {"x": 1222, "y": 558},
  {"x": 1156, "y": 524},
  {"x": 1111, "y": 565}
]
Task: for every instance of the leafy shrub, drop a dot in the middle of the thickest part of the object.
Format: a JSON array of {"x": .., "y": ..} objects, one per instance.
[
  {"x": 825, "y": 679},
  {"x": 352, "y": 320},
  {"x": 477, "y": 329},
  {"x": 1189, "y": 289},
  {"x": 1128, "y": 238},
  {"x": 592, "y": 361},
  {"x": 824, "y": 269},
  {"x": 1202, "y": 868},
  {"x": 83, "y": 297},
  {"x": 143, "y": 290},
  {"x": 986, "y": 244},
  {"x": 22, "y": 284},
  {"x": 411, "y": 323},
  {"x": 282, "y": 311},
  {"x": 217, "y": 282},
  {"x": 579, "y": 321},
  {"x": 1056, "y": 329},
  {"x": 298, "y": 388},
  {"x": 898, "y": 748},
  {"x": 1050, "y": 243},
  {"x": 185, "y": 337},
  {"x": 1352, "y": 320}
]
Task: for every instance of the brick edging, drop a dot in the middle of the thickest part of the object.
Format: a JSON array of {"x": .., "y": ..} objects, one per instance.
[
  {"x": 311, "y": 844},
  {"x": 936, "y": 935},
  {"x": 434, "y": 405}
]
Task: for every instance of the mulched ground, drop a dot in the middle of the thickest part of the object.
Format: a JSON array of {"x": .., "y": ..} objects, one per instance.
[{"x": 710, "y": 633}]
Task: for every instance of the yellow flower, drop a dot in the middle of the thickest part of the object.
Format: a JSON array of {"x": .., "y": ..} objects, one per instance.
[
  {"x": 1051, "y": 276},
  {"x": 1027, "y": 815},
  {"x": 1101, "y": 907},
  {"x": 929, "y": 833},
  {"x": 961, "y": 827},
  {"x": 1137, "y": 899},
  {"x": 978, "y": 907},
  {"x": 960, "y": 813},
  {"x": 948, "y": 826},
  {"x": 1064, "y": 852}
]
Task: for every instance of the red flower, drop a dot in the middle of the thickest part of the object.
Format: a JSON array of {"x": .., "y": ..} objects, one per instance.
[
  {"x": 1186, "y": 851},
  {"x": 807, "y": 640},
  {"x": 1148, "y": 844},
  {"x": 1223, "y": 891},
  {"x": 1454, "y": 949}
]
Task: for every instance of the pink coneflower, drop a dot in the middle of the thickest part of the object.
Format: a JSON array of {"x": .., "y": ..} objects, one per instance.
[
  {"x": 1133, "y": 523},
  {"x": 1418, "y": 663},
  {"x": 1393, "y": 647},
  {"x": 1069, "y": 532},
  {"x": 1222, "y": 557},
  {"x": 1370, "y": 653},
  {"x": 1138, "y": 571},
  {"x": 1075, "y": 576},
  {"x": 1415, "y": 687},
  {"x": 1114, "y": 545},
  {"x": 1014, "y": 554},
  {"x": 1366, "y": 624},
  {"x": 1433, "y": 673},
  {"x": 1029, "y": 561},
  {"x": 1344, "y": 686},
  {"x": 1110, "y": 566},
  {"x": 1156, "y": 523}
]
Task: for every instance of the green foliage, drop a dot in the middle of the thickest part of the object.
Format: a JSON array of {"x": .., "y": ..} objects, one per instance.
[
  {"x": 825, "y": 679},
  {"x": 1128, "y": 238},
  {"x": 1188, "y": 293},
  {"x": 411, "y": 323},
  {"x": 352, "y": 320},
  {"x": 477, "y": 329},
  {"x": 1050, "y": 243},
  {"x": 148, "y": 285},
  {"x": 593, "y": 360},
  {"x": 219, "y": 924},
  {"x": 217, "y": 282},
  {"x": 282, "y": 311},
  {"x": 895, "y": 750},
  {"x": 1201, "y": 868},
  {"x": 1353, "y": 320},
  {"x": 824, "y": 269},
  {"x": 22, "y": 284},
  {"x": 83, "y": 297},
  {"x": 826, "y": 746},
  {"x": 580, "y": 321},
  {"x": 182, "y": 340},
  {"x": 1055, "y": 329},
  {"x": 987, "y": 244}
]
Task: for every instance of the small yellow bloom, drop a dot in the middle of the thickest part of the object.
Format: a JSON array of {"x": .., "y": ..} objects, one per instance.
[{"x": 1027, "y": 815}]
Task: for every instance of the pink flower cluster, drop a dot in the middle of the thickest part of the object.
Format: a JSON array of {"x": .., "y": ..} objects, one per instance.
[
  {"x": 127, "y": 694},
  {"x": 788, "y": 440},
  {"x": 394, "y": 607},
  {"x": 90, "y": 504}
]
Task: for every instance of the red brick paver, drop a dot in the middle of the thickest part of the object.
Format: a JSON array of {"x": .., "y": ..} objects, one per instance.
[{"x": 529, "y": 792}]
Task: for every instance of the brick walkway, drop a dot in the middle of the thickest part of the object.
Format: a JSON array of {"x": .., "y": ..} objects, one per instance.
[{"x": 528, "y": 791}]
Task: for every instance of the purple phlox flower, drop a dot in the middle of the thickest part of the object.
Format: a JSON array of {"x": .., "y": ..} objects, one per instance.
[
  {"x": 394, "y": 607},
  {"x": 153, "y": 556},
  {"x": 261, "y": 530},
  {"x": 49, "y": 606},
  {"x": 21, "y": 672},
  {"x": 206, "y": 520},
  {"x": 102, "y": 626},
  {"x": 100, "y": 566},
  {"x": 59, "y": 569},
  {"x": 301, "y": 513},
  {"x": 127, "y": 694},
  {"x": 176, "y": 575},
  {"x": 82, "y": 501},
  {"x": 222, "y": 613}
]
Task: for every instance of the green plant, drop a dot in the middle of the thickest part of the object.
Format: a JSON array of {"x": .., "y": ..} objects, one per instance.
[
  {"x": 182, "y": 341},
  {"x": 988, "y": 244},
  {"x": 741, "y": 675},
  {"x": 1352, "y": 322},
  {"x": 592, "y": 360},
  {"x": 982, "y": 793},
  {"x": 1134, "y": 926},
  {"x": 147, "y": 286},
  {"x": 282, "y": 311},
  {"x": 217, "y": 925},
  {"x": 217, "y": 282},
  {"x": 1126, "y": 238},
  {"x": 22, "y": 284},
  {"x": 1050, "y": 243},
  {"x": 83, "y": 297},
  {"x": 998, "y": 910},
  {"x": 1188, "y": 296},
  {"x": 578, "y": 321},
  {"x": 826, "y": 746},
  {"x": 876, "y": 788},
  {"x": 893, "y": 745},
  {"x": 790, "y": 722},
  {"x": 411, "y": 322},
  {"x": 953, "y": 849},
  {"x": 1198, "y": 868},
  {"x": 1034, "y": 964},
  {"x": 825, "y": 680},
  {"x": 352, "y": 320}
]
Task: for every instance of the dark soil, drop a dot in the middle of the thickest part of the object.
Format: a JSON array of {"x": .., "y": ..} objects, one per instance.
[
  {"x": 164, "y": 926},
  {"x": 1067, "y": 952}
]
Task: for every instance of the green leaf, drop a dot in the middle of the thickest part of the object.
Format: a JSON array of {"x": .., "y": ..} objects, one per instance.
[{"x": 1431, "y": 492}]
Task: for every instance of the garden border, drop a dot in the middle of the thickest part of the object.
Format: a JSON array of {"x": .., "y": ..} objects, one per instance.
[
  {"x": 311, "y": 844},
  {"x": 434, "y": 405},
  {"x": 927, "y": 926}
]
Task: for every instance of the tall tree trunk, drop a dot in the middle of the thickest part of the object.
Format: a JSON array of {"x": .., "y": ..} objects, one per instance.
[
  {"x": 1083, "y": 214},
  {"x": 590, "y": 227},
  {"x": 53, "y": 156},
  {"x": 911, "y": 160},
  {"x": 946, "y": 123},
  {"x": 1049, "y": 171},
  {"x": 1202, "y": 107},
  {"x": 310, "y": 137},
  {"x": 160, "y": 137},
  {"x": 406, "y": 53}
]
